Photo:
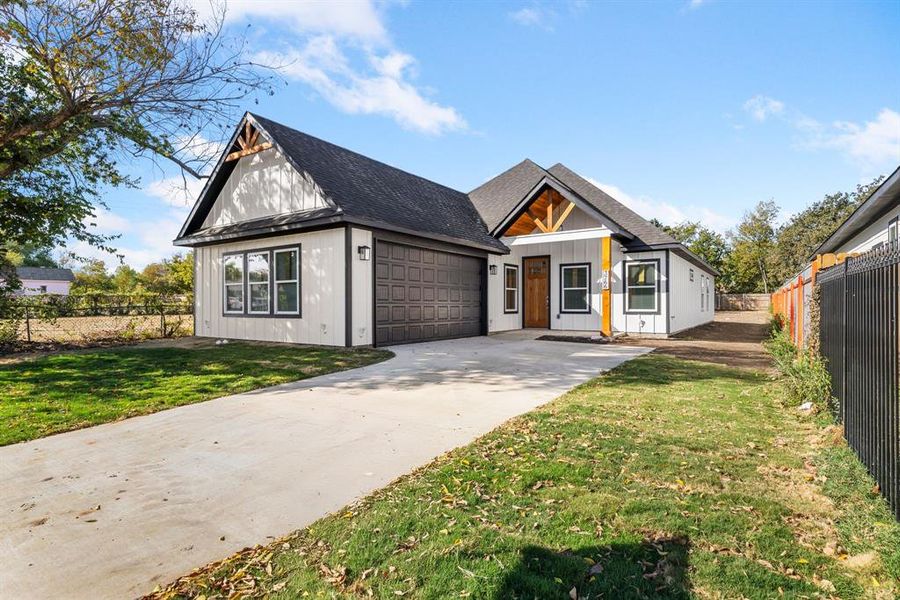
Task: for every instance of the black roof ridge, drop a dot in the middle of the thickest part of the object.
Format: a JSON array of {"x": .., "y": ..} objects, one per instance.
[{"x": 359, "y": 154}]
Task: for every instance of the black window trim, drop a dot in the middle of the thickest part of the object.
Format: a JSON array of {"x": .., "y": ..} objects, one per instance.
[
  {"x": 505, "y": 289},
  {"x": 625, "y": 265},
  {"x": 245, "y": 313},
  {"x": 562, "y": 289}
]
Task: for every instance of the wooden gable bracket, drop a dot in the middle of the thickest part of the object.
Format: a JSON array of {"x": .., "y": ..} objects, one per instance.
[
  {"x": 550, "y": 226},
  {"x": 247, "y": 143}
]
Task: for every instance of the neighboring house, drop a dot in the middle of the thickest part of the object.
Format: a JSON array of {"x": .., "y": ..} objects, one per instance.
[
  {"x": 871, "y": 225},
  {"x": 43, "y": 280},
  {"x": 299, "y": 240}
]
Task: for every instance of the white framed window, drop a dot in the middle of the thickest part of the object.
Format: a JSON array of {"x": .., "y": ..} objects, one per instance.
[
  {"x": 892, "y": 230},
  {"x": 575, "y": 288},
  {"x": 642, "y": 286},
  {"x": 510, "y": 289},
  {"x": 287, "y": 281},
  {"x": 702, "y": 293},
  {"x": 234, "y": 283},
  {"x": 708, "y": 293},
  {"x": 258, "y": 280}
]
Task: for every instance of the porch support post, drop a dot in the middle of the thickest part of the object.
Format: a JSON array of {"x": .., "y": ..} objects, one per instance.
[{"x": 605, "y": 294}]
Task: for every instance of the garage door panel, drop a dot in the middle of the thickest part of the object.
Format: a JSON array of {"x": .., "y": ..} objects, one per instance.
[{"x": 408, "y": 309}]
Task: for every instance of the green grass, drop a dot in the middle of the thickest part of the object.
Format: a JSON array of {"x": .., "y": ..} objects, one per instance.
[
  {"x": 67, "y": 391},
  {"x": 664, "y": 478}
]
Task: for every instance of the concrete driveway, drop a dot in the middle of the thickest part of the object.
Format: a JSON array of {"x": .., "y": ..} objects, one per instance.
[{"x": 114, "y": 510}]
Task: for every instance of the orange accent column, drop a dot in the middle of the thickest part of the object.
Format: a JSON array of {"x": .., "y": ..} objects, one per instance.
[{"x": 605, "y": 295}]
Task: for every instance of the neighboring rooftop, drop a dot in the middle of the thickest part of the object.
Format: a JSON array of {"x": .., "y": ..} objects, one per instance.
[
  {"x": 883, "y": 199},
  {"x": 44, "y": 273}
]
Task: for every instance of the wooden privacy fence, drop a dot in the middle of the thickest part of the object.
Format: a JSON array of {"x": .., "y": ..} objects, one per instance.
[
  {"x": 742, "y": 301},
  {"x": 792, "y": 301},
  {"x": 859, "y": 340}
]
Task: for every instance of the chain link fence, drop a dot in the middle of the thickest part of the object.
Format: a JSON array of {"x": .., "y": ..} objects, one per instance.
[{"x": 30, "y": 322}]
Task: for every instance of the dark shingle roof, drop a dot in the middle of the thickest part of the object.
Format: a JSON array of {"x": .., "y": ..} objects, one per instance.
[
  {"x": 45, "y": 273},
  {"x": 645, "y": 233},
  {"x": 495, "y": 198},
  {"x": 373, "y": 191}
]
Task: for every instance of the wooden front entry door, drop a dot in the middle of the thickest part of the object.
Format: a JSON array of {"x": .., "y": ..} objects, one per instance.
[{"x": 537, "y": 292}]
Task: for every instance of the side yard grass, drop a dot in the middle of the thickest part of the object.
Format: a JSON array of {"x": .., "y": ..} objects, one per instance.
[
  {"x": 66, "y": 391},
  {"x": 664, "y": 478}
]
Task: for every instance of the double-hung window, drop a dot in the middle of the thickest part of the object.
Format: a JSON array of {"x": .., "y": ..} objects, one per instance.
[
  {"x": 892, "y": 230},
  {"x": 510, "y": 288},
  {"x": 575, "y": 289},
  {"x": 287, "y": 281},
  {"x": 262, "y": 282},
  {"x": 234, "y": 283},
  {"x": 703, "y": 293},
  {"x": 641, "y": 286},
  {"x": 258, "y": 282}
]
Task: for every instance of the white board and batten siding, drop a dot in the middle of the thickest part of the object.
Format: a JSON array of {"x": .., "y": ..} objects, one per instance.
[
  {"x": 876, "y": 233},
  {"x": 561, "y": 252},
  {"x": 693, "y": 297},
  {"x": 361, "y": 288},
  {"x": 263, "y": 185},
  {"x": 322, "y": 292},
  {"x": 640, "y": 323}
]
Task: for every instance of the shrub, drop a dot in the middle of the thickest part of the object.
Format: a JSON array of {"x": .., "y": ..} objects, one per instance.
[{"x": 803, "y": 372}]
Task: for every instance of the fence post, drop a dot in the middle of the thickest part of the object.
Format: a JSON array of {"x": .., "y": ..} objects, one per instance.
[
  {"x": 27, "y": 324},
  {"x": 844, "y": 346},
  {"x": 162, "y": 319}
]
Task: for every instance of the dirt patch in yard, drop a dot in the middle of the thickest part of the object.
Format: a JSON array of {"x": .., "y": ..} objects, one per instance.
[{"x": 734, "y": 338}]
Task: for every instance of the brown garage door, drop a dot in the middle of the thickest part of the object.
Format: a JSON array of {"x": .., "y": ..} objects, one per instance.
[{"x": 423, "y": 294}]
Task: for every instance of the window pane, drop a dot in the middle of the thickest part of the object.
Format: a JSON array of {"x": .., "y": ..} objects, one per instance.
[
  {"x": 234, "y": 269},
  {"x": 258, "y": 267},
  {"x": 511, "y": 277},
  {"x": 575, "y": 277},
  {"x": 286, "y": 265},
  {"x": 259, "y": 297},
  {"x": 510, "y": 300},
  {"x": 642, "y": 298},
  {"x": 286, "y": 297},
  {"x": 575, "y": 300},
  {"x": 234, "y": 298},
  {"x": 641, "y": 274}
]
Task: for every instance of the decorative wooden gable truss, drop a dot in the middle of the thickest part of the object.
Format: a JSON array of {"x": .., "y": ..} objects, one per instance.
[
  {"x": 546, "y": 213},
  {"x": 247, "y": 143}
]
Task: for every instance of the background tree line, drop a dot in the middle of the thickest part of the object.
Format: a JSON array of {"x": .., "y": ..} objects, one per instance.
[
  {"x": 758, "y": 254},
  {"x": 170, "y": 276}
]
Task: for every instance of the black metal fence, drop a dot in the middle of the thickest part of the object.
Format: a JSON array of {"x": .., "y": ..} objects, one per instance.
[
  {"x": 859, "y": 340},
  {"x": 89, "y": 318}
]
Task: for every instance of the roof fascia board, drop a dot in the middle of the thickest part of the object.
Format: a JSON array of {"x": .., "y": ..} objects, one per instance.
[
  {"x": 848, "y": 229},
  {"x": 550, "y": 181}
]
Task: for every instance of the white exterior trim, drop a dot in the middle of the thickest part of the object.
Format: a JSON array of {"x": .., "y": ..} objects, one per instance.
[{"x": 558, "y": 236}]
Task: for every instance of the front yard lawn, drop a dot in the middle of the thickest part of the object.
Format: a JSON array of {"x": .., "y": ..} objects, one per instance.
[
  {"x": 664, "y": 478},
  {"x": 60, "y": 392}
]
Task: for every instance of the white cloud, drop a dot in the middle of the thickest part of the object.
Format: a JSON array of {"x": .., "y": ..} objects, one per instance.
[
  {"x": 694, "y": 4},
  {"x": 384, "y": 88},
  {"x": 762, "y": 107},
  {"x": 667, "y": 213},
  {"x": 871, "y": 144},
  {"x": 151, "y": 242},
  {"x": 199, "y": 147},
  {"x": 534, "y": 16},
  {"x": 357, "y": 19},
  {"x": 175, "y": 191},
  {"x": 107, "y": 223},
  {"x": 322, "y": 36}
]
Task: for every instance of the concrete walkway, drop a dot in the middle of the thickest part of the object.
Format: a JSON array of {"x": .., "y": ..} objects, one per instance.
[{"x": 114, "y": 510}]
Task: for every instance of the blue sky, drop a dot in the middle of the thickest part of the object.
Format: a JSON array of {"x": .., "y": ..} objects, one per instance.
[{"x": 683, "y": 110}]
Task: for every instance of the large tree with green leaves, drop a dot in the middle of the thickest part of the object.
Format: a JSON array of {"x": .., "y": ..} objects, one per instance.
[
  {"x": 805, "y": 231},
  {"x": 750, "y": 263},
  {"x": 706, "y": 243},
  {"x": 88, "y": 84}
]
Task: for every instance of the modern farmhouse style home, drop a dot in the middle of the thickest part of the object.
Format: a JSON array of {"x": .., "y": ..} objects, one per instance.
[{"x": 299, "y": 240}]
